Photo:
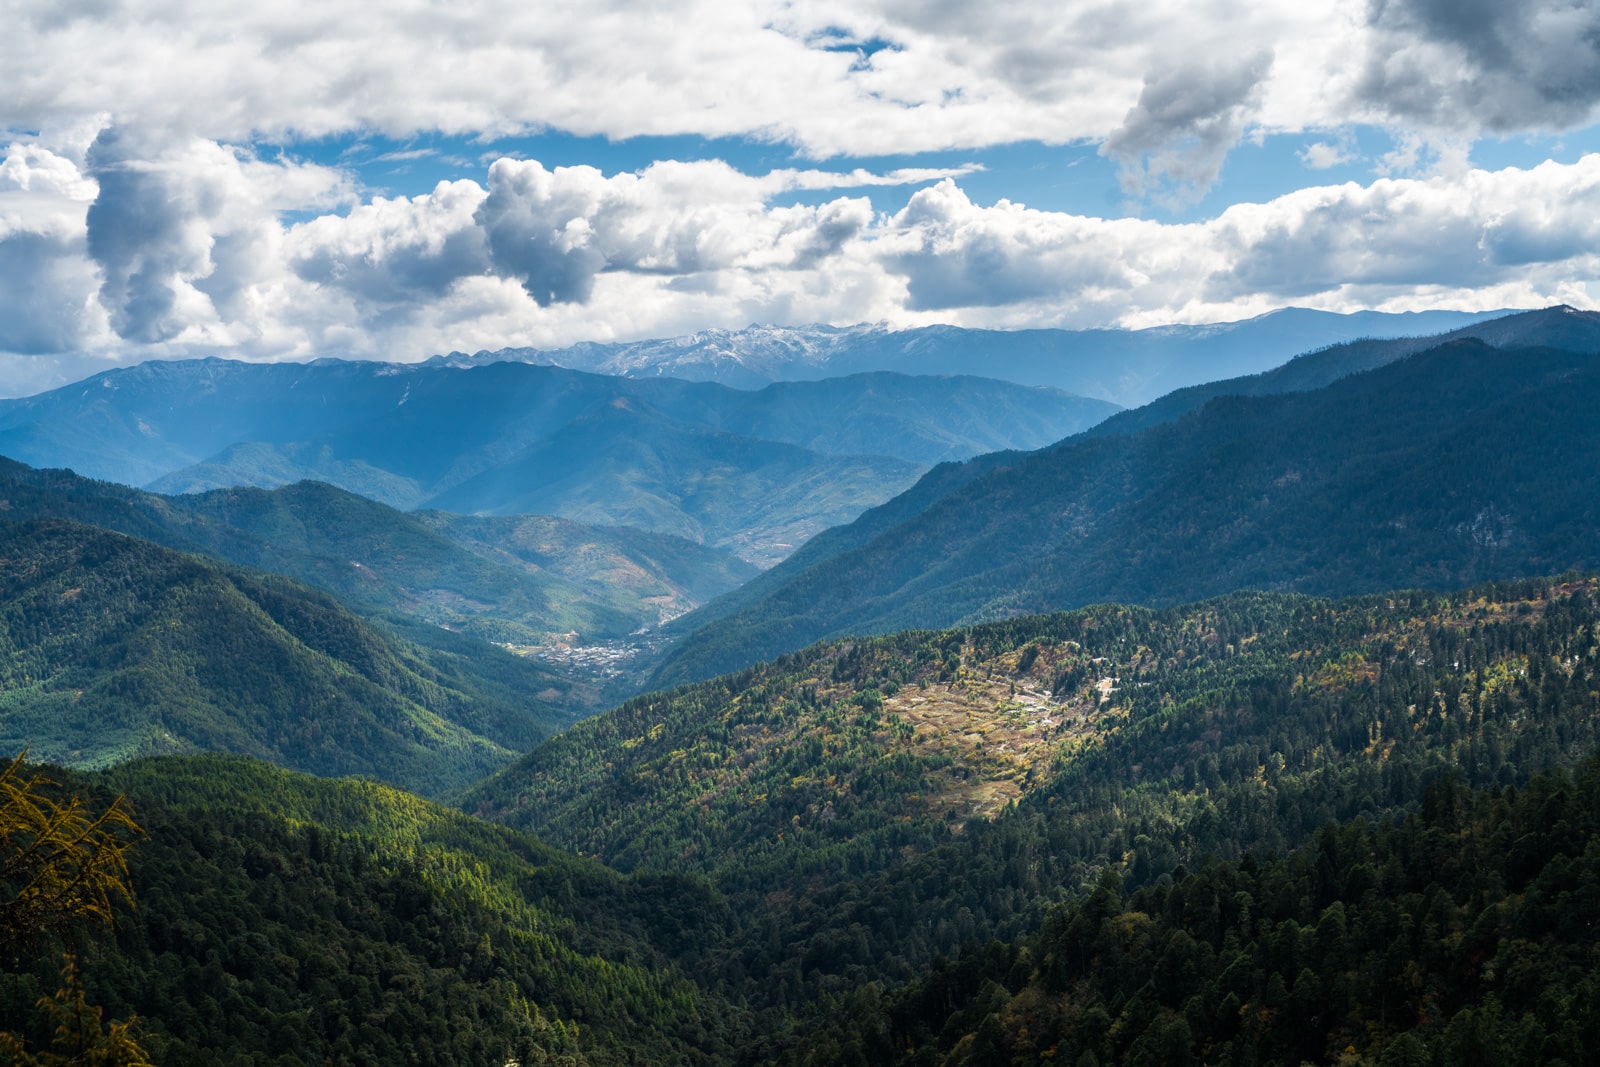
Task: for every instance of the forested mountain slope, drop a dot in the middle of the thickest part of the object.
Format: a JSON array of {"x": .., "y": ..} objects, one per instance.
[
  {"x": 904, "y": 799},
  {"x": 112, "y": 647},
  {"x": 1455, "y": 465},
  {"x": 871, "y": 805},
  {"x": 511, "y": 579},
  {"x": 280, "y": 918},
  {"x": 1460, "y": 935},
  {"x": 1555, "y": 327}
]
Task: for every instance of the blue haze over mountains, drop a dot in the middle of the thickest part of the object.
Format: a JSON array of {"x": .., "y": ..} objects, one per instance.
[
  {"x": 1367, "y": 466},
  {"x": 758, "y": 472},
  {"x": 1126, "y": 367},
  {"x": 994, "y": 528}
]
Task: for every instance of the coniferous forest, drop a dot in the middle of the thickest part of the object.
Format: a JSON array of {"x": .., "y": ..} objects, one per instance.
[{"x": 1380, "y": 807}]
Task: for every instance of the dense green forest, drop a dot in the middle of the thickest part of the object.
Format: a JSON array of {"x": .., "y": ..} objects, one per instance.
[
  {"x": 1463, "y": 934},
  {"x": 283, "y": 919},
  {"x": 806, "y": 846},
  {"x": 1457, "y": 465},
  {"x": 828, "y": 794},
  {"x": 112, "y": 647},
  {"x": 513, "y": 579}
]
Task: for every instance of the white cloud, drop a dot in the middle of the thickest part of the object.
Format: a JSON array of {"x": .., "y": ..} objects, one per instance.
[
  {"x": 131, "y": 226},
  {"x": 185, "y": 233},
  {"x": 395, "y": 251},
  {"x": 1439, "y": 241},
  {"x": 555, "y": 231},
  {"x": 957, "y": 74},
  {"x": 1187, "y": 119},
  {"x": 160, "y": 246},
  {"x": 1321, "y": 155},
  {"x": 1166, "y": 86},
  {"x": 1461, "y": 66},
  {"x": 45, "y": 276}
]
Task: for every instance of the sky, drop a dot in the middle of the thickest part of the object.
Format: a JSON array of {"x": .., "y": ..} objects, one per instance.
[{"x": 283, "y": 180}]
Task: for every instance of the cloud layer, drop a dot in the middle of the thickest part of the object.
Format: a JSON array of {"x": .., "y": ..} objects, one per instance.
[
  {"x": 178, "y": 245},
  {"x": 144, "y": 212},
  {"x": 869, "y": 77},
  {"x": 1500, "y": 65}
]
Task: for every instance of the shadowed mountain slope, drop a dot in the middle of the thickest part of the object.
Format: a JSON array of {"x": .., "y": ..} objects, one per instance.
[
  {"x": 1454, "y": 465},
  {"x": 1556, "y": 327}
]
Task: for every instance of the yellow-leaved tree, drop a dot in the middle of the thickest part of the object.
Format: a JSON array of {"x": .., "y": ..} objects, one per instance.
[{"x": 62, "y": 864}]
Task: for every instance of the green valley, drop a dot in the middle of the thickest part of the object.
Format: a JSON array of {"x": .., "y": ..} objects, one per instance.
[
  {"x": 1192, "y": 822},
  {"x": 811, "y": 843},
  {"x": 871, "y": 806}
]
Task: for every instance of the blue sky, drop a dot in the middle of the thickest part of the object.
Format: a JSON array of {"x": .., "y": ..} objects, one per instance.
[
  {"x": 285, "y": 180},
  {"x": 1074, "y": 178}
]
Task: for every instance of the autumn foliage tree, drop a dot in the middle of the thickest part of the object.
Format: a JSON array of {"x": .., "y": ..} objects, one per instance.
[{"x": 62, "y": 864}]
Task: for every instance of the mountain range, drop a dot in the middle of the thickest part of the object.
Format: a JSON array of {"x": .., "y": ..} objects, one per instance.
[
  {"x": 1126, "y": 367},
  {"x": 1451, "y": 465},
  {"x": 1246, "y": 818},
  {"x": 755, "y": 472},
  {"x": 1555, "y": 327}
]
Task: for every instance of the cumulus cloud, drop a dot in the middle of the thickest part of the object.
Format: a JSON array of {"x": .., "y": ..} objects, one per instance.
[
  {"x": 954, "y": 254},
  {"x": 954, "y": 75},
  {"x": 182, "y": 228},
  {"x": 555, "y": 231},
  {"x": 394, "y": 251},
  {"x": 541, "y": 230},
  {"x": 865, "y": 78},
  {"x": 46, "y": 279},
  {"x": 162, "y": 244},
  {"x": 1500, "y": 65},
  {"x": 172, "y": 245},
  {"x": 1441, "y": 241},
  {"x": 1187, "y": 119}
]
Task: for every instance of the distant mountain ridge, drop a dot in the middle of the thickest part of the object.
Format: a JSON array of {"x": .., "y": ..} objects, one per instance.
[
  {"x": 1127, "y": 367},
  {"x": 1555, "y": 327},
  {"x": 1458, "y": 464},
  {"x": 757, "y": 472}
]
